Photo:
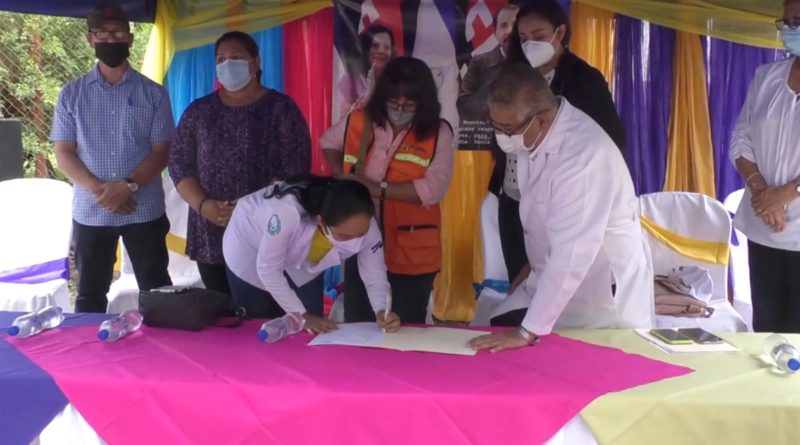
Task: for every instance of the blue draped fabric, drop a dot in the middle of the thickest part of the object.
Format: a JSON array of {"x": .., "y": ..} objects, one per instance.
[
  {"x": 643, "y": 94},
  {"x": 192, "y": 73},
  {"x": 731, "y": 67}
]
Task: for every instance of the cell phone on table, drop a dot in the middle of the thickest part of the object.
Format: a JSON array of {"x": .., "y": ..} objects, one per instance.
[
  {"x": 670, "y": 336},
  {"x": 700, "y": 336}
]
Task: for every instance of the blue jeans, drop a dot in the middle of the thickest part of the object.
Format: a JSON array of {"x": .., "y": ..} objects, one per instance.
[{"x": 259, "y": 303}]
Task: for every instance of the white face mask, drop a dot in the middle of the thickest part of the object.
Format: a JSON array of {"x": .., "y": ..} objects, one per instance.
[
  {"x": 516, "y": 143},
  {"x": 399, "y": 118},
  {"x": 539, "y": 53},
  {"x": 234, "y": 74},
  {"x": 351, "y": 246}
]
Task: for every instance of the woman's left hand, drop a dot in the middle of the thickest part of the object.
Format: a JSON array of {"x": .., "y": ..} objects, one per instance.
[
  {"x": 772, "y": 199},
  {"x": 497, "y": 342},
  {"x": 389, "y": 322}
]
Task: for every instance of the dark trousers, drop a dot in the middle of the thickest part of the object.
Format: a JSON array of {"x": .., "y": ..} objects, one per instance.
[
  {"x": 259, "y": 303},
  {"x": 512, "y": 318},
  {"x": 214, "y": 276},
  {"x": 410, "y": 295},
  {"x": 512, "y": 237},
  {"x": 96, "y": 253},
  {"x": 775, "y": 288}
]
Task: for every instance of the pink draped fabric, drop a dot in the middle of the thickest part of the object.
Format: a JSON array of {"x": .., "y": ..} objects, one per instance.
[{"x": 223, "y": 386}]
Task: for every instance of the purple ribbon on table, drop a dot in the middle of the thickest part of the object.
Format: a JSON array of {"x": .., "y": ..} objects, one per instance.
[{"x": 38, "y": 273}]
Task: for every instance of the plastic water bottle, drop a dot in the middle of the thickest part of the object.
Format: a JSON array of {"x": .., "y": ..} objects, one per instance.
[
  {"x": 121, "y": 325},
  {"x": 36, "y": 322},
  {"x": 278, "y": 328},
  {"x": 784, "y": 355}
]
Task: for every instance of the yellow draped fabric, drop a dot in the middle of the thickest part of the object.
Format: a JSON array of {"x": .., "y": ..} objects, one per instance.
[
  {"x": 184, "y": 24},
  {"x": 200, "y": 22},
  {"x": 161, "y": 46},
  {"x": 454, "y": 296},
  {"x": 743, "y": 21},
  {"x": 176, "y": 243},
  {"x": 690, "y": 160},
  {"x": 593, "y": 37},
  {"x": 700, "y": 250}
]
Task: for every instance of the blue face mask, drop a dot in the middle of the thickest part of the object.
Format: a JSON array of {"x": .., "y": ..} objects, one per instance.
[
  {"x": 234, "y": 74},
  {"x": 791, "y": 40}
]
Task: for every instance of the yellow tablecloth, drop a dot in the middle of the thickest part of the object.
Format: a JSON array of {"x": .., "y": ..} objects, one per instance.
[{"x": 731, "y": 398}]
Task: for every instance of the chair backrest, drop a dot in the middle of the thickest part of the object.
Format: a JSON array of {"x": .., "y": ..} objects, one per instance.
[
  {"x": 690, "y": 215},
  {"x": 494, "y": 267},
  {"x": 37, "y": 221},
  {"x": 740, "y": 266},
  {"x": 178, "y": 215}
]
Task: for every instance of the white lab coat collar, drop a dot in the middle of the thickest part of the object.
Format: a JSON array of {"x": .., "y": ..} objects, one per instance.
[{"x": 552, "y": 141}]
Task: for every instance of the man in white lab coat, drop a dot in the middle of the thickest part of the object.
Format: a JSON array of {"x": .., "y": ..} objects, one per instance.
[{"x": 590, "y": 264}]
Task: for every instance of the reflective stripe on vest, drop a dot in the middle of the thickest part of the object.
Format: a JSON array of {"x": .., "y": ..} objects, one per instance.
[{"x": 413, "y": 158}]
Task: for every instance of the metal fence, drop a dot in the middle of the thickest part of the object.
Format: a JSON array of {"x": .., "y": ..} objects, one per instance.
[{"x": 38, "y": 55}]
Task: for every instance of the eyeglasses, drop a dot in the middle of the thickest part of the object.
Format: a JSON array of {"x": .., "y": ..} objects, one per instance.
[
  {"x": 105, "y": 35},
  {"x": 408, "y": 106},
  {"x": 792, "y": 23},
  {"x": 520, "y": 127}
]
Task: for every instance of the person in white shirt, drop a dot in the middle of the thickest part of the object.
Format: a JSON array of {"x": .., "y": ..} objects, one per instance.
[
  {"x": 590, "y": 263},
  {"x": 765, "y": 148},
  {"x": 280, "y": 238}
]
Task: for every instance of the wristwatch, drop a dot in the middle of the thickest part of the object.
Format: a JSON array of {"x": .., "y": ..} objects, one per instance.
[
  {"x": 132, "y": 186},
  {"x": 384, "y": 186}
]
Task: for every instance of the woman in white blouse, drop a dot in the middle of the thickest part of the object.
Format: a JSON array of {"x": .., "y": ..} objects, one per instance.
[{"x": 766, "y": 151}]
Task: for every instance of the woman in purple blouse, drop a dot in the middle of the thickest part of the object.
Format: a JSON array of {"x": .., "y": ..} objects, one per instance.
[{"x": 229, "y": 144}]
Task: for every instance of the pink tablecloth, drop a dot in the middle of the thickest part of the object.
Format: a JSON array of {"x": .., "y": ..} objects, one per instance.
[{"x": 223, "y": 386}]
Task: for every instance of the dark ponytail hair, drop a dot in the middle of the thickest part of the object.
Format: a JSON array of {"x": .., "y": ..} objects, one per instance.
[{"x": 335, "y": 200}]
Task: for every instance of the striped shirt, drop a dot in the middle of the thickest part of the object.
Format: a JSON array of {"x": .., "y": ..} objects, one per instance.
[{"x": 114, "y": 127}]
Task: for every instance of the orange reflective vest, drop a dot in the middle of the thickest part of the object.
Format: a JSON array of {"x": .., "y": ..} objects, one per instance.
[{"x": 411, "y": 232}]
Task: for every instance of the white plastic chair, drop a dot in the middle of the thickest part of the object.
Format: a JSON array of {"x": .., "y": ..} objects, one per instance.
[
  {"x": 694, "y": 216},
  {"x": 740, "y": 266},
  {"x": 124, "y": 292},
  {"x": 494, "y": 267},
  {"x": 36, "y": 229}
]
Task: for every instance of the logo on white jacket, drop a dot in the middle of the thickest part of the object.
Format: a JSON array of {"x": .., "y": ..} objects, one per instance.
[{"x": 274, "y": 225}]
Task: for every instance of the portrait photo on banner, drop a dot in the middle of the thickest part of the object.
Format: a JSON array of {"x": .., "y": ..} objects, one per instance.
[{"x": 446, "y": 34}]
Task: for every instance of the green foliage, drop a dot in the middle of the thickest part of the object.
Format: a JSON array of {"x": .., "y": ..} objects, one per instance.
[{"x": 38, "y": 55}]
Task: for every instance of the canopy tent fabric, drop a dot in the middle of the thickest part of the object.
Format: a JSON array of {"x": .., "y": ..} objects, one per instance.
[
  {"x": 750, "y": 22},
  {"x": 136, "y": 10}
]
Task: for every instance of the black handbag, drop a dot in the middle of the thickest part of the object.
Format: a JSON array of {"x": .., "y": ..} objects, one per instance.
[{"x": 188, "y": 308}]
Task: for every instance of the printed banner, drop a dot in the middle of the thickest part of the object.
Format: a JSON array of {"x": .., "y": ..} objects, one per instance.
[{"x": 459, "y": 40}]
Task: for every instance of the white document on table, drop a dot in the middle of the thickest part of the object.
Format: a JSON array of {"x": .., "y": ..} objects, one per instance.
[
  {"x": 431, "y": 339},
  {"x": 694, "y": 347},
  {"x": 351, "y": 334}
]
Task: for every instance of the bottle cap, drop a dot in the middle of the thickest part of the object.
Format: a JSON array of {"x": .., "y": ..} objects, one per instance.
[
  {"x": 13, "y": 330},
  {"x": 262, "y": 335},
  {"x": 103, "y": 334},
  {"x": 794, "y": 364}
]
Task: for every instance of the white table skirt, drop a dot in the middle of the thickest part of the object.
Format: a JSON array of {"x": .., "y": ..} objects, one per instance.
[{"x": 70, "y": 428}]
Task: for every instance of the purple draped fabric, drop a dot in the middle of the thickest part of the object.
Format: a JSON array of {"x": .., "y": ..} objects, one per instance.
[
  {"x": 643, "y": 94},
  {"x": 38, "y": 273},
  {"x": 29, "y": 398},
  {"x": 731, "y": 67}
]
